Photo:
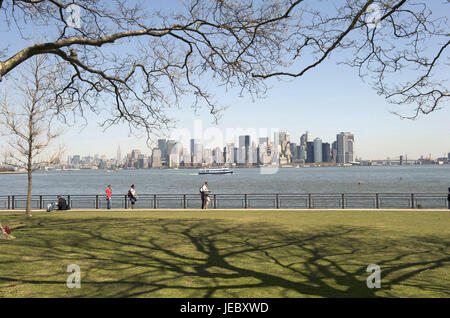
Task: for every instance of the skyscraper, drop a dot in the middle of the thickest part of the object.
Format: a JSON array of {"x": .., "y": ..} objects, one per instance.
[
  {"x": 344, "y": 143},
  {"x": 317, "y": 150},
  {"x": 309, "y": 152},
  {"x": 302, "y": 153},
  {"x": 156, "y": 158},
  {"x": 162, "y": 145},
  {"x": 119, "y": 156},
  {"x": 192, "y": 152},
  {"x": 244, "y": 146},
  {"x": 326, "y": 153},
  {"x": 305, "y": 138}
]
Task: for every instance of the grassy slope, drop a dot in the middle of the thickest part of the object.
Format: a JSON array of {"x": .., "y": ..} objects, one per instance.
[{"x": 227, "y": 254}]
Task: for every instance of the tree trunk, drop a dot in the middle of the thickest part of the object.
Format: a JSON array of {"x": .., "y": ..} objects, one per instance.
[
  {"x": 29, "y": 189},
  {"x": 30, "y": 158}
]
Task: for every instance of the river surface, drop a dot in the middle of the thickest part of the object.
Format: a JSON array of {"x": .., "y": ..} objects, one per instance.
[{"x": 382, "y": 179}]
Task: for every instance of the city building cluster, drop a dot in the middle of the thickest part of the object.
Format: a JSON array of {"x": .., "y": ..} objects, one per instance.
[
  {"x": 263, "y": 151},
  {"x": 279, "y": 150}
]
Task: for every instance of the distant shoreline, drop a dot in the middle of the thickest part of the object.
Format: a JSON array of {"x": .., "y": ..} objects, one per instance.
[{"x": 13, "y": 172}]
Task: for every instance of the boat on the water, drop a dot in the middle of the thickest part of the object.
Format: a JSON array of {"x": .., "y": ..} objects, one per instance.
[{"x": 224, "y": 170}]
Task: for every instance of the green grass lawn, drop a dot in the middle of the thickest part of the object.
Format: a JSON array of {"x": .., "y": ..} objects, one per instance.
[{"x": 227, "y": 253}]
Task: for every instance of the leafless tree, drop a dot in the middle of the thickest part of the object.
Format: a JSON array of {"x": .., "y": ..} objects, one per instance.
[
  {"x": 134, "y": 63},
  {"x": 27, "y": 120}
]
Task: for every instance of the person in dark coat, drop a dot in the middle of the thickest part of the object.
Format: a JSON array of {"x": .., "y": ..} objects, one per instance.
[
  {"x": 62, "y": 203},
  {"x": 448, "y": 198}
]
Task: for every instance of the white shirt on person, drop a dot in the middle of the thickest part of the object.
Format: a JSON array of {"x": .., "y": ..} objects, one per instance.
[{"x": 204, "y": 189}]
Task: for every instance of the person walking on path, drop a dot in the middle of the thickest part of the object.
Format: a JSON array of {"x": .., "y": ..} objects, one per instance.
[
  {"x": 108, "y": 197},
  {"x": 204, "y": 191},
  {"x": 133, "y": 196}
]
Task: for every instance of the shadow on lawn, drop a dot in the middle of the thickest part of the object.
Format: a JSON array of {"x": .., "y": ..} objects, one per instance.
[{"x": 208, "y": 258}]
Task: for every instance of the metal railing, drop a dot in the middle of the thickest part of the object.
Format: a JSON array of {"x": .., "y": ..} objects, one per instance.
[{"x": 242, "y": 201}]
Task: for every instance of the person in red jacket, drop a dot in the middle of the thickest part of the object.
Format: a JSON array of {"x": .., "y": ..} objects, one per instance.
[{"x": 108, "y": 197}]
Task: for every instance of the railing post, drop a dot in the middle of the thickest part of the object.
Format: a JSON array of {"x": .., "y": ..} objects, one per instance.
[
  {"x": 412, "y": 200},
  {"x": 309, "y": 201},
  {"x": 377, "y": 201},
  {"x": 126, "y": 202},
  {"x": 154, "y": 201},
  {"x": 215, "y": 201},
  {"x": 13, "y": 204},
  {"x": 40, "y": 202},
  {"x": 69, "y": 202},
  {"x": 96, "y": 201},
  {"x": 245, "y": 200},
  {"x": 278, "y": 201},
  {"x": 9, "y": 202},
  {"x": 343, "y": 201},
  {"x": 184, "y": 201}
]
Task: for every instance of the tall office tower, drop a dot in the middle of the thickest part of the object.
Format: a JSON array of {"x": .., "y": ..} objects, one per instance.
[
  {"x": 198, "y": 153},
  {"x": 284, "y": 147},
  {"x": 401, "y": 160},
  {"x": 344, "y": 145},
  {"x": 334, "y": 151},
  {"x": 229, "y": 153},
  {"x": 186, "y": 157},
  {"x": 156, "y": 158},
  {"x": 141, "y": 161},
  {"x": 303, "y": 140},
  {"x": 302, "y": 153},
  {"x": 225, "y": 155},
  {"x": 350, "y": 145},
  {"x": 218, "y": 155},
  {"x": 309, "y": 152},
  {"x": 207, "y": 156},
  {"x": 244, "y": 145},
  {"x": 133, "y": 155},
  {"x": 317, "y": 150},
  {"x": 192, "y": 152},
  {"x": 253, "y": 154},
  {"x": 235, "y": 154},
  {"x": 162, "y": 145},
  {"x": 119, "y": 156},
  {"x": 326, "y": 152},
  {"x": 293, "y": 150}
]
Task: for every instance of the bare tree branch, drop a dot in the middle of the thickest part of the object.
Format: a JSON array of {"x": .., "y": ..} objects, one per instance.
[{"x": 135, "y": 63}]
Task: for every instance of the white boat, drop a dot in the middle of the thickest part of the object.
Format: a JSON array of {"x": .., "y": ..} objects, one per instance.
[{"x": 224, "y": 170}]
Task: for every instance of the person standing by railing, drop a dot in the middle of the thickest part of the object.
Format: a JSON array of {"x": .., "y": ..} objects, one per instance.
[
  {"x": 204, "y": 191},
  {"x": 108, "y": 197},
  {"x": 133, "y": 196},
  {"x": 448, "y": 198}
]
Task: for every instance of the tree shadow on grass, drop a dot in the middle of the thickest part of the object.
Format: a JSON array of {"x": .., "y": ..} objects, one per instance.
[{"x": 218, "y": 258}]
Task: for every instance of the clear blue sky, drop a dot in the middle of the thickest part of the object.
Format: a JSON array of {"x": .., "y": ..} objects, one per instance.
[{"x": 327, "y": 100}]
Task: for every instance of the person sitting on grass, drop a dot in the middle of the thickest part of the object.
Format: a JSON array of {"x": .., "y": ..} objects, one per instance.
[{"x": 61, "y": 204}]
